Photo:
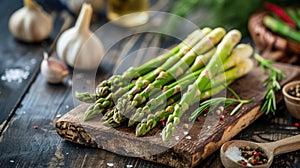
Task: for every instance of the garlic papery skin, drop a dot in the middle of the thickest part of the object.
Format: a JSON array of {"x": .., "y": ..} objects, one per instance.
[
  {"x": 53, "y": 70},
  {"x": 31, "y": 23},
  {"x": 78, "y": 46}
]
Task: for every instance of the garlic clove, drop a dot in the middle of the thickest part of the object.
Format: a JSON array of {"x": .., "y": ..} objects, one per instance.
[
  {"x": 78, "y": 46},
  {"x": 53, "y": 70},
  {"x": 30, "y": 23}
]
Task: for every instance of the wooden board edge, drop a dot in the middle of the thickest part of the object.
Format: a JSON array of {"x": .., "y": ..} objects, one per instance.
[{"x": 232, "y": 131}]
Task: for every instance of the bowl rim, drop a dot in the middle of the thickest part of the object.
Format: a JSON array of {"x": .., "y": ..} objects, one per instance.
[{"x": 288, "y": 85}]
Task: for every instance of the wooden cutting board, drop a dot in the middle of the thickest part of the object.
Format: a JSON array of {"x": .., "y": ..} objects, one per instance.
[{"x": 186, "y": 149}]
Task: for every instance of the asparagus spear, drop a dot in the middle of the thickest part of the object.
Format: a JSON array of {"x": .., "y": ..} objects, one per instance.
[
  {"x": 281, "y": 28},
  {"x": 223, "y": 51},
  {"x": 242, "y": 67},
  {"x": 239, "y": 53},
  {"x": 96, "y": 108},
  {"x": 151, "y": 121},
  {"x": 212, "y": 38},
  {"x": 179, "y": 68},
  {"x": 124, "y": 103},
  {"x": 117, "y": 81}
]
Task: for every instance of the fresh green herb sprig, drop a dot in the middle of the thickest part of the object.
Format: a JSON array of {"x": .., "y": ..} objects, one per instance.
[
  {"x": 271, "y": 83},
  {"x": 213, "y": 103}
]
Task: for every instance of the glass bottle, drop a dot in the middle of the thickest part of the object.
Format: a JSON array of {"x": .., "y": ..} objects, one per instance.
[{"x": 128, "y": 13}]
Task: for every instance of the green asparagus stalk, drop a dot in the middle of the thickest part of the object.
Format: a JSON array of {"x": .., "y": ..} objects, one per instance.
[
  {"x": 176, "y": 88},
  {"x": 183, "y": 64},
  {"x": 117, "y": 81},
  {"x": 125, "y": 105},
  {"x": 102, "y": 104},
  {"x": 281, "y": 28},
  {"x": 293, "y": 14},
  {"x": 86, "y": 97},
  {"x": 183, "y": 47},
  {"x": 151, "y": 121},
  {"x": 105, "y": 87},
  {"x": 223, "y": 51},
  {"x": 239, "y": 53},
  {"x": 170, "y": 62},
  {"x": 242, "y": 68}
]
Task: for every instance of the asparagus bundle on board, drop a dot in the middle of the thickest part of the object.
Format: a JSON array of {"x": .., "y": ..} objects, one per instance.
[
  {"x": 127, "y": 103},
  {"x": 234, "y": 68},
  {"x": 203, "y": 65},
  {"x": 104, "y": 98}
]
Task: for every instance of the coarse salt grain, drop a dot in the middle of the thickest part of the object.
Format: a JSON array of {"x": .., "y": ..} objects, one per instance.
[
  {"x": 234, "y": 153},
  {"x": 16, "y": 74},
  {"x": 177, "y": 138},
  {"x": 110, "y": 164},
  {"x": 11, "y": 161},
  {"x": 188, "y": 137},
  {"x": 129, "y": 166},
  {"x": 185, "y": 132}
]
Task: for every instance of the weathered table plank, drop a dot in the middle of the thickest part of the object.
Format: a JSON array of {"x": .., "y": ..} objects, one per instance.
[
  {"x": 17, "y": 55},
  {"x": 14, "y": 55}
]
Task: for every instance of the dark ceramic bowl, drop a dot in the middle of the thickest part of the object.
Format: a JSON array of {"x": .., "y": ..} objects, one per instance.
[{"x": 292, "y": 103}]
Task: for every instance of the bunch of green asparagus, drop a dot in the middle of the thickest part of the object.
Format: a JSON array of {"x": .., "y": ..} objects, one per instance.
[{"x": 163, "y": 89}]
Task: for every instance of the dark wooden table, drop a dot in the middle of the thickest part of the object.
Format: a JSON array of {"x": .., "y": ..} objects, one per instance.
[{"x": 30, "y": 108}]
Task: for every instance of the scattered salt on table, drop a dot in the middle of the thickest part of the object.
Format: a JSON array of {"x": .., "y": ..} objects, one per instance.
[{"x": 16, "y": 74}]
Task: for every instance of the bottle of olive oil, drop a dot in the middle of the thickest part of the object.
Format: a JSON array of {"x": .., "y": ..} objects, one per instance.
[{"x": 128, "y": 13}]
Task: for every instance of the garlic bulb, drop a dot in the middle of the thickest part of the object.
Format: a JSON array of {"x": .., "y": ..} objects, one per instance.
[
  {"x": 30, "y": 23},
  {"x": 53, "y": 70},
  {"x": 75, "y": 5},
  {"x": 78, "y": 46}
]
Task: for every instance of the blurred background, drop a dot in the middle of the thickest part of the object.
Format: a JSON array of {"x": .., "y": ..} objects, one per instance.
[{"x": 226, "y": 13}]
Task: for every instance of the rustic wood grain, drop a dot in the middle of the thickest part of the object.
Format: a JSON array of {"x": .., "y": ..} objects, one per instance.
[
  {"x": 186, "y": 153},
  {"x": 13, "y": 91},
  {"x": 16, "y": 54}
]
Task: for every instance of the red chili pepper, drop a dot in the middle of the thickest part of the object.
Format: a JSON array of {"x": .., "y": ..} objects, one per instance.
[
  {"x": 221, "y": 117},
  {"x": 163, "y": 122},
  {"x": 244, "y": 163},
  {"x": 296, "y": 124},
  {"x": 35, "y": 127},
  {"x": 280, "y": 12}
]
